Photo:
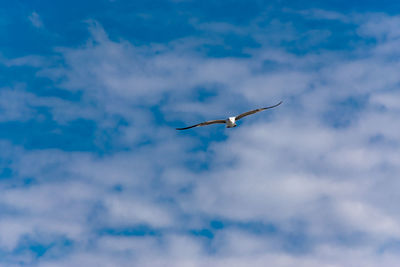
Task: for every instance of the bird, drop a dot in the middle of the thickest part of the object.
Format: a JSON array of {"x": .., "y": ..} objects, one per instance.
[{"x": 230, "y": 121}]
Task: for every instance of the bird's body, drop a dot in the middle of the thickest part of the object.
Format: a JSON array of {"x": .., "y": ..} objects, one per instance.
[{"x": 231, "y": 121}]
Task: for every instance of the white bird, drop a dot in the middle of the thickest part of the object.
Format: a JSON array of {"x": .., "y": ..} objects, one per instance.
[{"x": 231, "y": 121}]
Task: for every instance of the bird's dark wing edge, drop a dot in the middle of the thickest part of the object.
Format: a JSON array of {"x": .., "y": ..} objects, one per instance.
[
  {"x": 203, "y": 124},
  {"x": 238, "y": 117}
]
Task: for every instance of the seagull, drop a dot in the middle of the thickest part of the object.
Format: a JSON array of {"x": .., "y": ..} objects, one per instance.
[{"x": 231, "y": 121}]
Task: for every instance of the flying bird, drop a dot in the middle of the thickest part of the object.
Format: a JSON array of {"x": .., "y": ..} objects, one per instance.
[{"x": 231, "y": 121}]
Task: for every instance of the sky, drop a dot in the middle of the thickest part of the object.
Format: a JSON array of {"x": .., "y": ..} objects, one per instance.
[{"x": 93, "y": 172}]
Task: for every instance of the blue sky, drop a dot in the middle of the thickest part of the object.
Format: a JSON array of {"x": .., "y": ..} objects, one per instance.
[{"x": 93, "y": 172}]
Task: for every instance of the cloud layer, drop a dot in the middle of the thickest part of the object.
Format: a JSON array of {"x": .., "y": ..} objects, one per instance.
[{"x": 94, "y": 174}]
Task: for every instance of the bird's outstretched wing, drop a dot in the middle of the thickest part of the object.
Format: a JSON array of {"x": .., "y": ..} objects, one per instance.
[
  {"x": 255, "y": 111},
  {"x": 203, "y": 124}
]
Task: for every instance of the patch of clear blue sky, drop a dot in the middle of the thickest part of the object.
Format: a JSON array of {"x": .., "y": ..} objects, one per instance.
[
  {"x": 345, "y": 112},
  {"x": 36, "y": 247}
]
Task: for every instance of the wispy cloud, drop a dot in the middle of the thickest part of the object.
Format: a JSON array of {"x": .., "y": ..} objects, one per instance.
[{"x": 35, "y": 19}]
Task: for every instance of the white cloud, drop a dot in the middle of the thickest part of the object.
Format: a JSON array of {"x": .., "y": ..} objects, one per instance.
[
  {"x": 36, "y": 20},
  {"x": 321, "y": 14},
  {"x": 388, "y": 100},
  {"x": 14, "y": 105},
  {"x": 127, "y": 211},
  {"x": 381, "y": 26},
  {"x": 32, "y": 61}
]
